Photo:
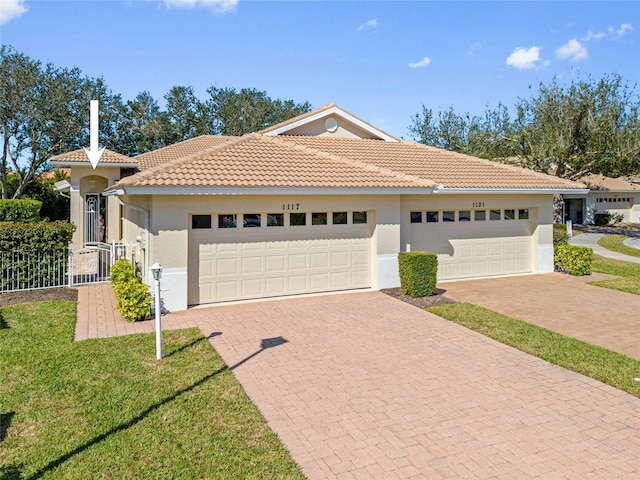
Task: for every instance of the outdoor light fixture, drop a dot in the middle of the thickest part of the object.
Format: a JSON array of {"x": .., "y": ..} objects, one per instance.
[{"x": 156, "y": 271}]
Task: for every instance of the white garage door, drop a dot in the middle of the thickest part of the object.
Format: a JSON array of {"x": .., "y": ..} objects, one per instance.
[
  {"x": 477, "y": 246},
  {"x": 267, "y": 260}
]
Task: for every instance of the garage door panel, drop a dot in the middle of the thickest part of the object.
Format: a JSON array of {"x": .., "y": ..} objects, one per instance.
[
  {"x": 340, "y": 259},
  {"x": 319, "y": 281},
  {"x": 359, "y": 279},
  {"x": 275, "y": 286},
  {"x": 226, "y": 290},
  {"x": 509, "y": 248},
  {"x": 225, "y": 248},
  {"x": 227, "y": 266},
  {"x": 251, "y": 287},
  {"x": 298, "y": 261},
  {"x": 263, "y": 262},
  {"x": 275, "y": 264},
  {"x": 495, "y": 267},
  {"x": 319, "y": 260},
  {"x": 251, "y": 265},
  {"x": 495, "y": 250},
  {"x": 298, "y": 283}
]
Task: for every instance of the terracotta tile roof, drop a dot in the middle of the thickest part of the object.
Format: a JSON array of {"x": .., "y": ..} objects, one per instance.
[
  {"x": 260, "y": 161},
  {"x": 179, "y": 150},
  {"x": 450, "y": 169},
  {"x": 79, "y": 156},
  {"x": 600, "y": 182}
]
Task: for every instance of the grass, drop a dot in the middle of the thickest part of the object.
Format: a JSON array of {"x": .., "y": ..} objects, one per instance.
[
  {"x": 596, "y": 362},
  {"x": 615, "y": 243},
  {"x": 108, "y": 409},
  {"x": 628, "y": 274}
]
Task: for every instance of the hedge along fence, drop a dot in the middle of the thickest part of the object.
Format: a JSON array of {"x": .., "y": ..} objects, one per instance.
[
  {"x": 418, "y": 273},
  {"x": 573, "y": 259},
  {"x": 133, "y": 299},
  {"x": 34, "y": 255},
  {"x": 20, "y": 210}
]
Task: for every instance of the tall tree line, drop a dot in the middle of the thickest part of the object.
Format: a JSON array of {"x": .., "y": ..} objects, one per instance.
[
  {"x": 44, "y": 111},
  {"x": 587, "y": 126}
]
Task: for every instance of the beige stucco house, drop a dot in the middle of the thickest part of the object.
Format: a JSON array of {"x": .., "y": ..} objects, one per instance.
[
  {"x": 323, "y": 202},
  {"x": 605, "y": 194}
]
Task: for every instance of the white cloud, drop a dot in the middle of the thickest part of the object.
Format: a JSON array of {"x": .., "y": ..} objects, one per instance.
[
  {"x": 593, "y": 36},
  {"x": 421, "y": 64},
  {"x": 572, "y": 50},
  {"x": 525, "y": 58},
  {"x": 622, "y": 31},
  {"x": 369, "y": 24},
  {"x": 11, "y": 9},
  {"x": 474, "y": 48},
  {"x": 218, "y": 6}
]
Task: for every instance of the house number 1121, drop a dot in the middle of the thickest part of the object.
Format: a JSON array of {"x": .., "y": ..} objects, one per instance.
[{"x": 290, "y": 206}]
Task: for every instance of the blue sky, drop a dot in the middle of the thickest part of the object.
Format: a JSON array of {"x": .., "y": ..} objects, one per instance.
[{"x": 380, "y": 60}]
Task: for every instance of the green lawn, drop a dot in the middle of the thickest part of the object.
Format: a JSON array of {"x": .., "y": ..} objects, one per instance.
[
  {"x": 108, "y": 409},
  {"x": 615, "y": 243},
  {"x": 628, "y": 274},
  {"x": 609, "y": 367}
]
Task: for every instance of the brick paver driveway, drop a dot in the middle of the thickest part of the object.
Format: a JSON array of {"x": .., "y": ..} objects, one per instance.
[
  {"x": 562, "y": 303},
  {"x": 363, "y": 386}
]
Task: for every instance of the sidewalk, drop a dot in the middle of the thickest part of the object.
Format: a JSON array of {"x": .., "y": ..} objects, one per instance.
[{"x": 591, "y": 240}]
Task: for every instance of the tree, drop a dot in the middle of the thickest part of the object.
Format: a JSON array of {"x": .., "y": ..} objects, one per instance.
[
  {"x": 568, "y": 131},
  {"x": 184, "y": 118},
  {"x": 249, "y": 110},
  {"x": 43, "y": 111}
]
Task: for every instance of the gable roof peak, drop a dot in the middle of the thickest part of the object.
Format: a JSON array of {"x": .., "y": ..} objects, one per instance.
[{"x": 327, "y": 111}]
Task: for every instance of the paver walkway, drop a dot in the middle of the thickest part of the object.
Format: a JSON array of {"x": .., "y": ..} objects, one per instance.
[{"x": 363, "y": 386}]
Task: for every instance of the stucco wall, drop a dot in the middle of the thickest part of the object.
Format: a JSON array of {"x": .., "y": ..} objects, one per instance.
[{"x": 389, "y": 217}]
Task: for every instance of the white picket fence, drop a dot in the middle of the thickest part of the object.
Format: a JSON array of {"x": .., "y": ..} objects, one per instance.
[{"x": 82, "y": 264}]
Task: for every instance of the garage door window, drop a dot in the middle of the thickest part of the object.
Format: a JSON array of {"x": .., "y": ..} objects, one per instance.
[
  {"x": 200, "y": 221},
  {"x": 416, "y": 217},
  {"x": 433, "y": 217},
  {"x": 509, "y": 214},
  {"x": 359, "y": 217},
  {"x": 227, "y": 220},
  {"x": 480, "y": 215},
  {"x": 448, "y": 216},
  {"x": 494, "y": 215},
  {"x": 319, "y": 218},
  {"x": 251, "y": 220},
  {"x": 297, "y": 219},
  {"x": 275, "y": 219},
  {"x": 464, "y": 216},
  {"x": 523, "y": 214},
  {"x": 339, "y": 218}
]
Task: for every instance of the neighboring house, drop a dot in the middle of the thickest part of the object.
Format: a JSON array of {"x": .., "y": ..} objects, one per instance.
[
  {"x": 605, "y": 195},
  {"x": 322, "y": 202}
]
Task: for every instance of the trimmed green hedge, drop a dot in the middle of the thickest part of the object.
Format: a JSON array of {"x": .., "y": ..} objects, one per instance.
[
  {"x": 33, "y": 254},
  {"x": 573, "y": 259},
  {"x": 133, "y": 299},
  {"x": 20, "y": 210},
  {"x": 560, "y": 236},
  {"x": 418, "y": 273}
]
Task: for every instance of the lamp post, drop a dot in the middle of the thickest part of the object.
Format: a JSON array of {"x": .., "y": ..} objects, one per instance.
[{"x": 156, "y": 271}]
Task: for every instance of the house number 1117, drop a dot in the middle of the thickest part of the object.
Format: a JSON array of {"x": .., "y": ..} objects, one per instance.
[{"x": 290, "y": 206}]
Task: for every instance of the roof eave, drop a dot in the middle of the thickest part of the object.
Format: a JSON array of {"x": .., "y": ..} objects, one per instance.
[
  {"x": 69, "y": 164},
  {"x": 511, "y": 191},
  {"x": 158, "y": 190}
]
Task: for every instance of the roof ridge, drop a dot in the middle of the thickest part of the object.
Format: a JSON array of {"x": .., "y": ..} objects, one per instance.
[
  {"x": 185, "y": 159},
  {"x": 504, "y": 166},
  {"x": 366, "y": 166},
  {"x": 82, "y": 151},
  {"x": 297, "y": 117}
]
